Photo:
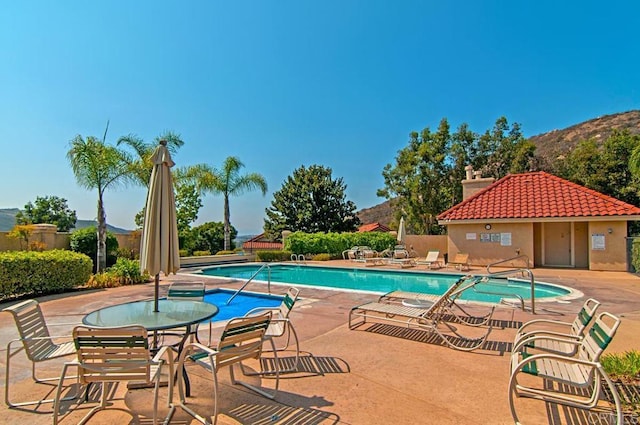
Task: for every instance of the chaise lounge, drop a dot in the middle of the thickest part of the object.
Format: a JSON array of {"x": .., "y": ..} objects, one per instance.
[{"x": 430, "y": 319}]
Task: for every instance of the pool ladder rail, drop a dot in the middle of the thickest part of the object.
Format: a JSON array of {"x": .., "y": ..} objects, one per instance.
[
  {"x": 264, "y": 266},
  {"x": 505, "y": 274}
]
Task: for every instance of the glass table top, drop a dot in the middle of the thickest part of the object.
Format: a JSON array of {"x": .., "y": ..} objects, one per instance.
[{"x": 171, "y": 314}]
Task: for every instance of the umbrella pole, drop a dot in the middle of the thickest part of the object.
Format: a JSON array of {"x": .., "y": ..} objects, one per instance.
[{"x": 156, "y": 294}]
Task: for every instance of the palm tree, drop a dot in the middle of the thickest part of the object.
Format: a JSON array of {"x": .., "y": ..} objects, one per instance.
[
  {"x": 227, "y": 182},
  {"x": 98, "y": 166},
  {"x": 141, "y": 167}
]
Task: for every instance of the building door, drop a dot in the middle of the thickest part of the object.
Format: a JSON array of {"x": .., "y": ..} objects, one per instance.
[{"x": 558, "y": 241}]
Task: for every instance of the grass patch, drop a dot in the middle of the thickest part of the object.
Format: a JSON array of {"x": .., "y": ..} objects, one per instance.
[{"x": 625, "y": 368}]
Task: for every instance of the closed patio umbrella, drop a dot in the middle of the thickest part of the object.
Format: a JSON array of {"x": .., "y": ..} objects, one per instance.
[
  {"x": 159, "y": 245},
  {"x": 402, "y": 232}
]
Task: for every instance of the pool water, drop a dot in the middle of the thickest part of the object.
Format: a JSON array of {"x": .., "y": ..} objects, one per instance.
[
  {"x": 240, "y": 304},
  {"x": 382, "y": 281}
]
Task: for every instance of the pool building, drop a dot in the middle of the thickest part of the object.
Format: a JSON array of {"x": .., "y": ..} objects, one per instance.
[{"x": 552, "y": 221}]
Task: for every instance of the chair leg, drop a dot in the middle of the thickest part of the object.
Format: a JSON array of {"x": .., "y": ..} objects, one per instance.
[{"x": 34, "y": 377}]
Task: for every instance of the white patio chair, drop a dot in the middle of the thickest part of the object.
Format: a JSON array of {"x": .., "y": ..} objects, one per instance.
[
  {"x": 38, "y": 345},
  {"x": 116, "y": 355},
  {"x": 575, "y": 381},
  {"x": 242, "y": 339}
]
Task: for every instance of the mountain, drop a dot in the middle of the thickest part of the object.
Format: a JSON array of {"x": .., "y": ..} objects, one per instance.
[
  {"x": 8, "y": 220},
  {"x": 554, "y": 143},
  {"x": 381, "y": 213},
  {"x": 549, "y": 146}
]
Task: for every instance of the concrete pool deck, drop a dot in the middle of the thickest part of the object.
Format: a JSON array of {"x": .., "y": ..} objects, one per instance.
[{"x": 373, "y": 375}]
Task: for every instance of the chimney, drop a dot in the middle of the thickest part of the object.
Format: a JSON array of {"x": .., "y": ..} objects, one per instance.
[{"x": 474, "y": 182}]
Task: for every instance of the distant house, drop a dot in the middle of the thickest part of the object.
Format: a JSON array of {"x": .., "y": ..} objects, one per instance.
[
  {"x": 551, "y": 221},
  {"x": 259, "y": 242},
  {"x": 373, "y": 227}
]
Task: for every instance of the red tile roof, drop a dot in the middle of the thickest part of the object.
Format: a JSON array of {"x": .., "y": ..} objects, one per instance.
[
  {"x": 259, "y": 242},
  {"x": 537, "y": 195},
  {"x": 373, "y": 227}
]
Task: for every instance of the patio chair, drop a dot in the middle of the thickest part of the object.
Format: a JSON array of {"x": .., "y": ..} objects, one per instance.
[
  {"x": 429, "y": 319},
  {"x": 460, "y": 261},
  {"x": 432, "y": 260},
  {"x": 281, "y": 325},
  {"x": 37, "y": 343},
  {"x": 558, "y": 331},
  {"x": 563, "y": 379},
  {"x": 188, "y": 291},
  {"x": 120, "y": 354},
  {"x": 242, "y": 339},
  {"x": 350, "y": 254},
  {"x": 453, "y": 308}
]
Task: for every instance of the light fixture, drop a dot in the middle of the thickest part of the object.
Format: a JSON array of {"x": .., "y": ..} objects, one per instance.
[
  {"x": 487, "y": 226},
  {"x": 610, "y": 230}
]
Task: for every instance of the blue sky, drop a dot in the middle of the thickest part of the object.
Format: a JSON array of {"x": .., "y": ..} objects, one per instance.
[{"x": 282, "y": 84}]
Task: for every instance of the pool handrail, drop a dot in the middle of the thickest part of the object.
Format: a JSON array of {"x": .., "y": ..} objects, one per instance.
[
  {"x": 265, "y": 265},
  {"x": 522, "y": 271}
]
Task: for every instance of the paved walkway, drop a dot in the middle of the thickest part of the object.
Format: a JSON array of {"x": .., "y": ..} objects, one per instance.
[{"x": 365, "y": 376}]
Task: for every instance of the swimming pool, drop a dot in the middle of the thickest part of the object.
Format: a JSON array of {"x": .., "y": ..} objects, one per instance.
[
  {"x": 382, "y": 281},
  {"x": 240, "y": 304}
]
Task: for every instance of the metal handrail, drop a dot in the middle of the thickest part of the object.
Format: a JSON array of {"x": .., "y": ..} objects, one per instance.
[
  {"x": 523, "y": 271},
  {"x": 525, "y": 256},
  {"x": 265, "y": 265}
]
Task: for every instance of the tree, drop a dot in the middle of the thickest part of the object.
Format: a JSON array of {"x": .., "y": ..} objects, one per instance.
[
  {"x": 310, "y": 201},
  {"x": 426, "y": 177},
  {"x": 419, "y": 180},
  {"x": 97, "y": 165},
  {"x": 49, "y": 210},
  {"x": 210, "y": 237},
  {"x": 610, "y": 168},
  {"x": 228, "y": 182},
  {"x": 140, "y": 167}
]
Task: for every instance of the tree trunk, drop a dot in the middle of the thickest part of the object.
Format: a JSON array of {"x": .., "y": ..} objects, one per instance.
[
  {"x": 227, "y": 225},
  {"x": 101, "y": 261}
]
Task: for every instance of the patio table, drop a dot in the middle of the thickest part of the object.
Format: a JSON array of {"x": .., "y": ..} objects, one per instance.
[{"x": 172, "y": 314}]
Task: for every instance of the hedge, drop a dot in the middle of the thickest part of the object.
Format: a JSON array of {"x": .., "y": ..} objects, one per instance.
[
  {"x": 334, "y": 243},
  {"x": 39, "y": 273}
]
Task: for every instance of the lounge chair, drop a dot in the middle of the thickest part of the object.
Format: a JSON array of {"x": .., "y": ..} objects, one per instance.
[
  {"x": 350, "y": 254},
  {"x": 429, "y": 319},
  {"x": 242, "y": 339},
  {"x": 116, "y": 355},
  {"x": 281, "y": 325},
  {"x": 563, "y": 379},
  {"x": 460, "y": 261},
  {"x": 38, "y": 345},
  {"x": 453, "y": 308},
  {"x": 432, "y": 260},
  {"x": 558, "y": 330}
]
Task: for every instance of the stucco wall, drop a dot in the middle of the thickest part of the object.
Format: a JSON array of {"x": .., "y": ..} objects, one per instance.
[
  {"x": 471, "y": 238},
  {"x": 614, "y": 255},
  {"x": 423, "y": 243}
]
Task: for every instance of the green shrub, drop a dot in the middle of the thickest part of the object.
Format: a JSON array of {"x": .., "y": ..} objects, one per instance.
[
  {"x": 635, "y": 255},
  {"x": 321, "y": 257},
  {"x": 334, "y": 243},
  {"x": 38, "y": 273},
  {"x": 184, "y": 253},
  {"x": 201, "y": 253},
  {"x": 85, "y": 241},
  {"x": 225, "y": 252},
  {"x": 128, "y": 271},
  {"x": 270, "y": 256},
  {"x": 624, "y": 366}
]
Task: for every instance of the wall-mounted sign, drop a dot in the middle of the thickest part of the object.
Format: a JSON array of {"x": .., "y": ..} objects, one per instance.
[
  {"x": 505, "y": 239},
  {"x": 597, "y": 241},
  {"x": 471, "y": 236},
  {"x": 495, "y": 237},
  {"x": 485, "y": 237}
]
